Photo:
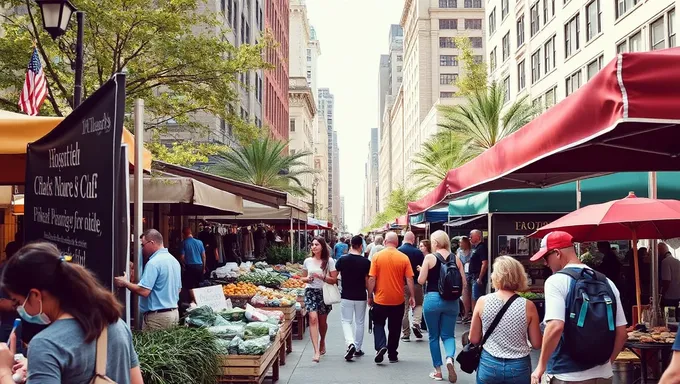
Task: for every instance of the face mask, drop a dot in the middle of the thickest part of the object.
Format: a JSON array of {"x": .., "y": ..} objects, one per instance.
[{"x": 40, "y": 318}]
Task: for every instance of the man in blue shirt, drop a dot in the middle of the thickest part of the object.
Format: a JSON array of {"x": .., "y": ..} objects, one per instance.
[
  {"x": 159, "y": 286},
  {"x": 340, "y": 248},
  {"x": 193, "y": 258},
  {"x": 416, "y": 258}
]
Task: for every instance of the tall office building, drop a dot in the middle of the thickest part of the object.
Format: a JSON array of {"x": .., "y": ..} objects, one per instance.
[
  {"x": 313, "y": 53},
  {"x": 335, "y": 176},
  {"x": 326, "y": 105},
  {"x": 371, "y": 191},
  {"x": 275, "y": 106},
  {"x": 547, "y": 49}
]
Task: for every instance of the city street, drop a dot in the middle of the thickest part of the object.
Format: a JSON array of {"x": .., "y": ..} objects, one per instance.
[{"x": 413, "y": 367}]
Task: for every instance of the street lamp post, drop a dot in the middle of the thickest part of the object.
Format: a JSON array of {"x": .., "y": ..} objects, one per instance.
[
  {"x": 56, "y": 15},
  {"x": 314, "y": 184}
]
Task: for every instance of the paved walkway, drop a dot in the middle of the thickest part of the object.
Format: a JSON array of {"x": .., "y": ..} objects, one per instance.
[{"x": 413, "y": 367}]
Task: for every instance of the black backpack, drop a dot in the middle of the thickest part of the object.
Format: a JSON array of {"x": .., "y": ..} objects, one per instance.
[
  {"x": 590, "y": 321},
  {"x": 450, "y": 281}
]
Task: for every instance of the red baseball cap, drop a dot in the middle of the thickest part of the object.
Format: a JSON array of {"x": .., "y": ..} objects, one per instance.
[{"x": 552, "y": 241}]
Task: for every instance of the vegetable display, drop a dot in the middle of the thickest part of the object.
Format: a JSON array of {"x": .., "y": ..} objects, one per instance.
[
  {"x": 256, "y": 346},
  {"x": 262, "y": 277},
  {"x": 239, "y": 289},
  {"x": 293, "y": 283},
  {"x": 532, "y": 295}
]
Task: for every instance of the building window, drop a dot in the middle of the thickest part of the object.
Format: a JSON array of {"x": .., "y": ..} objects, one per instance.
[
  {"x": 400, "y": 58},
  {"x": 521, "y": 76},
  {"x": 473, "y": 23},
  {"x": 446, "y": 95},
  {"x": 505, "y": 8},
  {"x": 309, "y": 55},
  {"x": 551, "y": 97},
  {"x": 447, "y": 42},
  {"x": 535, "y": 22},
  {"x": 492, "y": 21},
  {"x": 671, "y": 29},
  {"x": 506, "y": 89},
  {"x": 545, "y": 12},
  {"x": 571, "y": 36},
  {"x": 623, "y": 6},
  {"x": 292, "y": 125},
  {"x": 448, "y": 60},
  {"x": 448, "y": 23},
  {"x": 622, "y": 47},
  {"x": 506, "y": 46},
  {"x": 520, "y": 31},
  {"x": 473, "y": 3},
  {"x": 447, "y": 78},
  {"x": 478, "y": 59},
  {"x": 448, "y": 4},
  {"x": 492, "y": 59},
  {"x": 593, "y": 19},
  {"x": 573, "y": 82},
  {"x": 476, "y": 42},
  {"x": 594, "y": 67},
  {"x": 536, "y": 66},
  {"x": 635, "y": 43},
  {"x": 536, "y": 103},
  {"x": 549, "y": 54},
  {"x": 658, "y": 31}
]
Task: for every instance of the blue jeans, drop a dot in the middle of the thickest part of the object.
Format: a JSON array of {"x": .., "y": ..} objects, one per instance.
[
  {"x": 440, "y": 316},
  {"x": 493, "y": 370}
]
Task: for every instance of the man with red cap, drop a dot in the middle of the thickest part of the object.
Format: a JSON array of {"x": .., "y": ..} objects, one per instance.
[{"x": 561, "y": 358}]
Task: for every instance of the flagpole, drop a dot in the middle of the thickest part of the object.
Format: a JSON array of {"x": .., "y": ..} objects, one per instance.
[{"x": 78, "y": 88}]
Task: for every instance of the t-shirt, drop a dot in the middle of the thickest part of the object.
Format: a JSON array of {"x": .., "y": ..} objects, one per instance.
[
  {"x": 339, "y": 249},
  {"x": 390, "y": 267},
  {"x": 192, "y": 250},
  {"x": 414, "y": 254},
  {"x": 59, "y": 354},
  {"x": 375, "y": 249},
  {"x": 670, "y": 271},
  {"x": 556, "y": 290},
  {"x": 313, "y": 265},
  {"x": 162, "y": 275},
  {"x": 478, "y": 254},
  {"x": 354, "y": 269}
]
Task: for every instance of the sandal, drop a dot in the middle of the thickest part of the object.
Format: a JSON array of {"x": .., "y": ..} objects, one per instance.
[
  {"x": 316, "y": 359},
  {"x": 436, "y": 376}
]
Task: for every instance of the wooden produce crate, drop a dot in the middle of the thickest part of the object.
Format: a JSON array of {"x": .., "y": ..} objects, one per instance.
[
  {"x": 286, "y": 332},
  {"x": 288, "y": 312},
  {"x": 252, "y": 369},
  {"x": 299, "y": 324}
]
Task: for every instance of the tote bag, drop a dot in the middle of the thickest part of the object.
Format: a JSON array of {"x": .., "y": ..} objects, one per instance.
[{"x": 331, "y": 293}]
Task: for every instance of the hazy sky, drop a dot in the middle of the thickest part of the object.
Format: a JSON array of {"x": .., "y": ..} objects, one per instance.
[{"x": 353, "y": 34}]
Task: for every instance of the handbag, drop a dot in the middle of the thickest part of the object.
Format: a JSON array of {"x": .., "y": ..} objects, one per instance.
[
  {"x": 100, "y": 362},
  {"x": 331, "y": 293},
  {"x": 469, "y": 357}
]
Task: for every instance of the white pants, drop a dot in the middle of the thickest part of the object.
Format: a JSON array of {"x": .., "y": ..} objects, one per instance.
[{"x": 351, "y": 311}]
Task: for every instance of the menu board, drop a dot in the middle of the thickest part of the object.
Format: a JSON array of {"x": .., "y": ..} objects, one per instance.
[{"x": 71, "y": 178}]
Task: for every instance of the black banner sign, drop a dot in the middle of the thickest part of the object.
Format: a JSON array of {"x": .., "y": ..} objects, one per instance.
[{"x": 71, "y": 174}]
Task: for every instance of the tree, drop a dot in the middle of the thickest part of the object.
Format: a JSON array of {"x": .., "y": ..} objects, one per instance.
[
  {"x": 442, "y": 152},
  {"x": 175, "y": 54},
  {"x": 482, "y": 120},
  {"x": 263, "y": 162},
  {"x": 397, "y": 205},
  {"x": 474, "y": 76}
]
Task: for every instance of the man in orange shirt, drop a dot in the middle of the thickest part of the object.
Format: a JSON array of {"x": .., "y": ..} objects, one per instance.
[{"x": 389, "y": 269}]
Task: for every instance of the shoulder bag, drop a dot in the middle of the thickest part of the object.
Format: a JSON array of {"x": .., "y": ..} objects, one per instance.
[
  {"x": 331, "y": 293},
  {"x": 469, "y": 357},
  {"x": 100, "y": 362}
]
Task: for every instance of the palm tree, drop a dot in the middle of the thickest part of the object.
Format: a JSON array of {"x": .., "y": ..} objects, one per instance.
[
  {"x": 481, "y": 118},
  {"x": 444, "y": 151},
  {"x": 397, "y": 205},
  {"x": 263, "y": 162}
]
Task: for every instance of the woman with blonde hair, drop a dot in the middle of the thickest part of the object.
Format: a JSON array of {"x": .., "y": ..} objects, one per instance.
[
  {"x": 440, "y": 315},
  {"x": 464, "y": 253},
  {"x": 505, "y": 354}
]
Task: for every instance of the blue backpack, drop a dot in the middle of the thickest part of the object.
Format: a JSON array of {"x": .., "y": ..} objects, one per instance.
[{"x": 590, "y": 322}]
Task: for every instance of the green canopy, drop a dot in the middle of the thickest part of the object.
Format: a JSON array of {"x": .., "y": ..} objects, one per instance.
[{"x": 562, "y": 198}]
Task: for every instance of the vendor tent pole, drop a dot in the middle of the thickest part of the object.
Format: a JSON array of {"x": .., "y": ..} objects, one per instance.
[
  {"x": 299, "y": 236},
  {"x": 292, "y": 239},
  {"x": 654, "y": 257},
  {"x": 139, "y": 204},
  {"x": 488, "y": 247},
  {"x": 636, "y": 266},
  {"x": 578, "y": 206}
]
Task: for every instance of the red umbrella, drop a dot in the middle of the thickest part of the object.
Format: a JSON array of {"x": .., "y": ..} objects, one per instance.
[{"x": 629, "y": 218}]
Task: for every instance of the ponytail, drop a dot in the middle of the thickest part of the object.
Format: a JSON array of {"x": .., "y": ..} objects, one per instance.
[{"x": 40, "y": 266}]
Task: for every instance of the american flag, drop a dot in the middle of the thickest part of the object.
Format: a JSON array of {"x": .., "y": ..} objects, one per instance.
[{"x": 35, "y": 87}]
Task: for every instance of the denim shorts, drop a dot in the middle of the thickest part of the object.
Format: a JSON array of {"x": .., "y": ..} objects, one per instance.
[{"x": 493, "y": 370}]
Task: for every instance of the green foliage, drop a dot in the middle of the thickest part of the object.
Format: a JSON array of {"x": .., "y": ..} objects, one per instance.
[
  {"x": 441, "y": 153},
  {"x": 397, "y": 205},
  {"x": 175, "y": 54},
  {"x": 177, "y": 356},
  {"x": 281, "y": 255},
  {"x": 484, "y": 120},
  {"x": 263, "y": 162},
  {"x": 474, "y": 76},
  {"x": 184, "y": 153}
]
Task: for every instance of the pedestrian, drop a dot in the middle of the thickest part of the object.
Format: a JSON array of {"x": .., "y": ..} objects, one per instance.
[
  {"x": 366, "y": 250},
  {"x": 463, "y": 253},
  {"x": 577, "y": 351},
  {"x": 416, "y": 258},
  {"x": 318, "y": 269},
  {"x": 354, "y": 268},
  {"x": 78, "y": 312},
  {"x": 440, "y": 314},
  {"x": 670, "y": 283},
  {"x": 340, "y": 249},
  {"x": 425, "y": 247},
  {"x": 389, "y": 269},
  {"x": 505, "y": 355},
  {"x": 376, "y": 246},
  {"x": 193, "y": 259},
  {"x": 479, "y": 264},
  {"x": 159, "y": 285}
]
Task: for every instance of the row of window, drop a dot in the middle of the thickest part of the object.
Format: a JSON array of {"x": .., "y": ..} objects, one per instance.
[
  {"x": 450, "y": 42},
  {"x": 470, "y": 24},
  {"x": 454, "y": 3}
]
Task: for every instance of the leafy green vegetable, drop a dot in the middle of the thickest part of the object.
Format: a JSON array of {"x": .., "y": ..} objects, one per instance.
[
  {"x": 201, "y": 317},
  {"x": 260, "y": 329},
  {"x": 256, "y": 346},
  {"x": 234, "y": 314}
]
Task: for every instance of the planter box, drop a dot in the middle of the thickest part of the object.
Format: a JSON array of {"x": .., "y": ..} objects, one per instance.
[{"x": 251, "y": 369}]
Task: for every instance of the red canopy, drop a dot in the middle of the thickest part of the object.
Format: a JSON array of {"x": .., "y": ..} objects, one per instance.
[{"x": 623, "y": 120}]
